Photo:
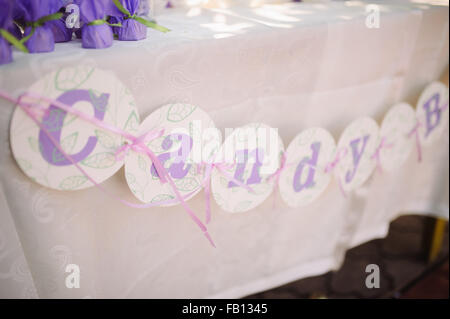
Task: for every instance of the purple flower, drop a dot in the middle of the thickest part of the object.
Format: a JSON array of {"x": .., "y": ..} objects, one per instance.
[
  {"x": 5, "y": 23},
  {"x": 95, "y": 33},
  {"x": 131, "y": 29},
  {"x": 61, "y": 32},
  {"x": 41, "y": 36}
]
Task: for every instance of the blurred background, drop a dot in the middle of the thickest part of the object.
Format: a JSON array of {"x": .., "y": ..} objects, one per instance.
[{"x": 413, "y": 262}]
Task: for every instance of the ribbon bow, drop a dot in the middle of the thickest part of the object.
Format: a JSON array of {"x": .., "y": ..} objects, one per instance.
[
  {"x": 331, "y": 166},
  {"x": 377, "y": 154},
  {"x": 339, "y": 156},
  {"x": 222, "y": 167},
  {"x": 137, "y": 144}
]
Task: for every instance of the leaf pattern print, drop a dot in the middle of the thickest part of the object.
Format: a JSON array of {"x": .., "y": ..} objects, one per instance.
[
  {"x": 72, "y": 182},
  {"x": 106, "y": 140},
  {"x": 69, "y": 142},
  {"x": 24, "y": 164},
  {"x": 178, "y": 112},
  {"x": 100, "y": 160},
  {"x": 162, "y": 198},
  {"x": 67, "y": 79},
  {"x": 132, "y": 123},
  {"x": 69, "y": 119},
  {"x": 242, "y": 206},
  {"x": 156, "y": 145},
  {"x": 130, "y": 178},
  {"x": 260, "y": 189},
  {"x": 142, "y": 163},
  {"x": 34, "y": 144},
  {"x": 187, "y": 184},
  {"x": 99, "y": 100},
  {"x": 57, "y": 156},
  {"x": 67, "y": 145},
  {"x": 54, "y": 120},
  {"x": 219, "y": 199},
  {"x": 223, "y": 182}
]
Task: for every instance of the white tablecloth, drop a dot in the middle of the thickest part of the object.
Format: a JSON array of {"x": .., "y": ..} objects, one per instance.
[{"x": 292, "y": 67}]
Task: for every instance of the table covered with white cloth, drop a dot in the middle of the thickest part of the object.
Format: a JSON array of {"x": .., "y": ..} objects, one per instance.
[{"x": 291, "y": 66}]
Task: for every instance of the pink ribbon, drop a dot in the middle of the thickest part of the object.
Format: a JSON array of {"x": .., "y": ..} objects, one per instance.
[
  {"x": 276, "y": 177},
  {"x": 222, "y": 168},
  {"x": 331, "y": 166},
  {"x": 137, "y": 145},
  {"x": 415, "y": 131},
  {"x": 377, "y": 155},
  {"x": 277, "y": 174}
]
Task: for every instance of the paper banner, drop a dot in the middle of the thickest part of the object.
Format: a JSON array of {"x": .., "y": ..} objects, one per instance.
[
  {"x": 253, "y": 153},
  {"x": 89, "y": 90},
  {"x": 357, "y": 145},
  {"x": 397, "y": 124},
  {"x": 189, "y": 136},
  {"x": 432, "y": 112},
  {"x": 304, "y": 178},
  {"x": 246, "y": 163}
]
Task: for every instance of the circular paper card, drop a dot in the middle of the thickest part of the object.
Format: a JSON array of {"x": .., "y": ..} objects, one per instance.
[
  {"x": 252, "y": 153},
  {"x": 304, "y": 178},
  {"x": 357, "y": 145},
  {"x": 93, "y": 91},
  {"x": 189, "y": 138},
  {"x": 396, "y": 126},
  {"x": 432, "y": 112}
]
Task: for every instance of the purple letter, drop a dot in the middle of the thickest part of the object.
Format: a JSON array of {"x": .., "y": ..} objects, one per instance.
[
  {"x": 54, "y": 119},
  {"x": 177, "y": 169},
  {"x": 239, "y": 174},
  {"x": 356, "y": 156},
  {"x": 312, "y": 162},
  {"x": 430, "y": 112}
]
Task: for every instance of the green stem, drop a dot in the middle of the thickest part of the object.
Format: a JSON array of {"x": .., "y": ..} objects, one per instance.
[
  {"x": 39, "y": 23},
  {"x": 103, "y": 21},
  {"x": 141, "y": 20},
  {"x": 13, "y": 40}
]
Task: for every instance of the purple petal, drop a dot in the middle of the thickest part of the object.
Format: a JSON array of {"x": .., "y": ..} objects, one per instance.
[
  {"x": 5, "y": 52},
  {"x": 96, "y": 36}
]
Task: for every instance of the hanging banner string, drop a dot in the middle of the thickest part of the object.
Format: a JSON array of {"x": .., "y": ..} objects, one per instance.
[
  {"x": 207, "y": 168},
  {"x": 331, "y": 166},
  {"x": 276, "y": 176},
  {"x": 137, "y": 145},
  {"x": 122, "y": 151},
  {"x": 416, "y": 132},
  {"x": 377, "y": 154}
]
